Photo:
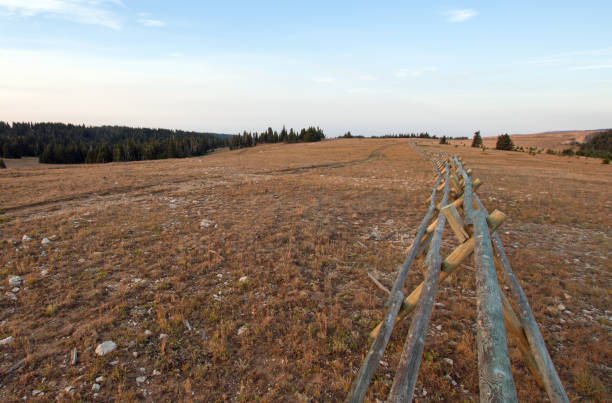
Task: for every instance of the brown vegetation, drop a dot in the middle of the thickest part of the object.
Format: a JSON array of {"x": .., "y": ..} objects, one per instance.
[{"x": 303, "y": 223}]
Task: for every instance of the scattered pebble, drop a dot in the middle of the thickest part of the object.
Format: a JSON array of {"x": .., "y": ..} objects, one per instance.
[
  {"x": 448, "y": 361},
  {"x": 15, "y": 281},
  {"x": 45, "y": 241},
  {"x": 135, "y": 354},
  {"x": 207, "y": 224},
  {"x": 106, "y": 347},
  {"x": 100, "y": 379},
  {"x": 163, "y": 336},
  {"x": 148, "y": 333},
  {"x": 6, "y": 341},
  {"x": 26, "y": 238},
  {"x": 156, "y": 372},
  {"x": 95, "y": 387},
  {"x": 243, "y": 279},
  {"x": 561, "y": 307},
  {"x": 141, "y": 379},
  {"x": 242, "y": 329},
  {"x": 113, "y": 363},
  {"x": 11, "y": 296}
]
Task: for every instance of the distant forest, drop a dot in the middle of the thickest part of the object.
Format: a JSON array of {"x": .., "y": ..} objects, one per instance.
[
  {"x": 248, "y": 139},
  {"x": 59, "y": 143},
  {"x": 598, "y": 146}
]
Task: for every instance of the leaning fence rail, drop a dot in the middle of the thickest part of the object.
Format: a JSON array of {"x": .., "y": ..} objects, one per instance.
[{"x": 475, "y": 229}]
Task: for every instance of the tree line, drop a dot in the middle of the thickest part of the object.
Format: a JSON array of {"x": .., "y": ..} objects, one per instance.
[
  {"x": 61, "y": 143},
  {"x": 248, "y": 139}
]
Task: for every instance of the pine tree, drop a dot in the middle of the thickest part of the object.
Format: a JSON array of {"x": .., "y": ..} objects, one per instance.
[
  {"x": 477, "y": 141},
  {"x": 504, "y": 142},
  {"x": 444, "y": 140},
  {"x": 2, "y": 164}
]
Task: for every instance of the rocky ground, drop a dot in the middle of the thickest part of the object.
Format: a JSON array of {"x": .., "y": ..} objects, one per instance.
[{"x": 241, "y": 276}]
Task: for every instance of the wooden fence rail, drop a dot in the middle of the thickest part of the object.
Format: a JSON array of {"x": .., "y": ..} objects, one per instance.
[{"x": 475, "y": 229}]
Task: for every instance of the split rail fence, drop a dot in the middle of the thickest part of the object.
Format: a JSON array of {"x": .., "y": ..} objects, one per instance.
[{"x": 475, "y": 229}]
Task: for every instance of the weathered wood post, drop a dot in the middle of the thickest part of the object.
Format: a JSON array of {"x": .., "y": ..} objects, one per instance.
[
  {"x": 359, "y": 387},
  {"x": 494, "y": 370},
  {"x": 410, "y": 361}
]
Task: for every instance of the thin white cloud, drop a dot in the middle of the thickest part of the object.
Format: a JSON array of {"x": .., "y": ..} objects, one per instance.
[
  {"x": 367, "y": 77},
  {"x": 406, "y": 73},
  {"x": 94, "y": 12},
  {"x": 593, "y": 55},
  {"x": 150, "y": 22},
  {"x": 176, "y": 54},
  {"x": 323, "y": 80},
  {"x": 358, "y": 90},
  {"x": 461, "y": 14},
  {"x": 592, "y": 67}
]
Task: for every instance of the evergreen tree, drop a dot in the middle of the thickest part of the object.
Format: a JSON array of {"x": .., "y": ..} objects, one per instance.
[
  {"x": 444, "y": 140},
  {"x": 2, "y": 164},
  {"x": 477, "y": 140},
  {"x": 504, "y": 142},
  {"x": 117, "y": 153}
]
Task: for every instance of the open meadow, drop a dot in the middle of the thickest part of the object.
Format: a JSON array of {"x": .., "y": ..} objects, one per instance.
[{"x": 241, "y": 275}]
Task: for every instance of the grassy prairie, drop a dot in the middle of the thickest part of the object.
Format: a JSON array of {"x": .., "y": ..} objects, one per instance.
[{"x": 302, "y": 223}]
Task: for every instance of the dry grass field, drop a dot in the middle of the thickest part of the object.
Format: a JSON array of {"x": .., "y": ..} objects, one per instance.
[
  {"x": 557, "y": 141},
  {"x": 241, "y": 276}
]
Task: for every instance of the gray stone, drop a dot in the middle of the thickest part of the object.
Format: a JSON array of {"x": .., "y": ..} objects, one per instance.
[
  {"x": 15, "y": 281},
  {"x": 6, "y": 341},
  {"x": 106, "y": 347}
]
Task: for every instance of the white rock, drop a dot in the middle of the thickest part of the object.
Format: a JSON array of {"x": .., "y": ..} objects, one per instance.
[
  {"x": 95, "y": 387},
  {"x": 37, "y": 392},
  {"x": 44, "y": 272},
  {"x": 135, "y": 354},
  {"x": 156, "y": 372},
  {"x": 448, "y": 361},
  {"x": 163, "y": 336},
  {"x": 45, "y": 241},
  {"x": 15, "y": 281},
  {"x": 243, "y": 279},
  {"x": 439, "y": 327},
  {"x": 106, "y": 347},
  {"x": 148, "y": 333},
  {"x": 100, "y": 379},
  {"x": 6, "y": 341},
  {"x": 26, "y": 238},
  {"x": 113, "y": 363},
  {"x": 561, "y": 307},
  {"x": 207, "y": 223},
  {"x": 242, "y": 329},
  {"x": 69, "y": 389},
  {"x": 11, "y": 296},
  {"x": 141, "y": 379}
]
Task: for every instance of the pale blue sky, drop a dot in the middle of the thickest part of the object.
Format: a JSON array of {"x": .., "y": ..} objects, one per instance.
[{"x": 445, "y": 67}]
